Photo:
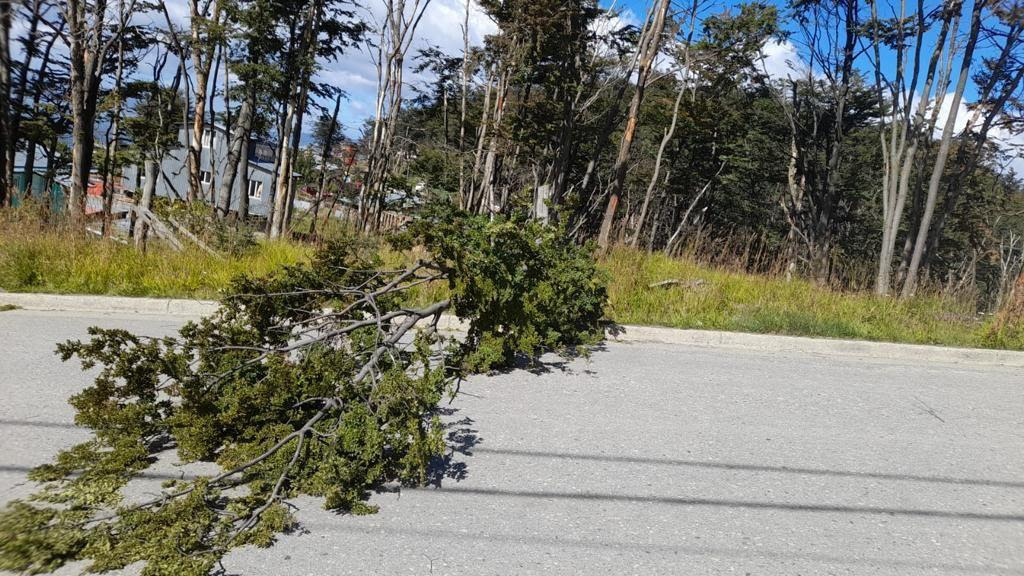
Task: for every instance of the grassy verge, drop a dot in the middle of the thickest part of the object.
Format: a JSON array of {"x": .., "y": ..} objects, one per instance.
[
  {"x": 61, "y": 263},
  {"x": 721, "y": 300},
  {"x": 54, "y": 261}
]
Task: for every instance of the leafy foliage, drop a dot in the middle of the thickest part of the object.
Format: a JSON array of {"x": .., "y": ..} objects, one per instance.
[
  {"x": 522, "y": 286},
  {"x": 312, "y": 380}
]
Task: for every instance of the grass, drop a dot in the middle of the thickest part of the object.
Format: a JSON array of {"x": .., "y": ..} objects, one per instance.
[
  {"x": 716, "y": 299},
  {"x": 36, "y": 258},
  {"x": 59, "y": 262}
]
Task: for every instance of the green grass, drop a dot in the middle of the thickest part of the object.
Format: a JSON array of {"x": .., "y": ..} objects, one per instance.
[
  {"x": 741, "y": 302},
  {"x": 63, "y": 263},
  {"x": 44, "y": 259}
]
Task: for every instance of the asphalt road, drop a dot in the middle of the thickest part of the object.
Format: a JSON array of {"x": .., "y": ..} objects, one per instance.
[{"x": 644, "y": 459}]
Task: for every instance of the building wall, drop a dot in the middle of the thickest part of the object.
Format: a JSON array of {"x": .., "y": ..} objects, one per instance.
[{"x": 213, "y": 160}]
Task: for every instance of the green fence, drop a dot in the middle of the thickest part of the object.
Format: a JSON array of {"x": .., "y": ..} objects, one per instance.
[{"x": 54, "y": 196}]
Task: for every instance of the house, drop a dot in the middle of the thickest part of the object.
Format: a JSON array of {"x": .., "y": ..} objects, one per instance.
[{"x": 213, "y": 162}]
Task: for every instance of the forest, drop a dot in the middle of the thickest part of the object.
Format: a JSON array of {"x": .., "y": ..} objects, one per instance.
[{"x": 882, "y": 154}]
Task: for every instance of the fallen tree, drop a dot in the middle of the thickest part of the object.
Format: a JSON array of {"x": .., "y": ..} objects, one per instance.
[{"x": 321, "y": 379}]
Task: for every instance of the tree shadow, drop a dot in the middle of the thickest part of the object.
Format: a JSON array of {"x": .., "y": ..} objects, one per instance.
[
  {"x": 613, "y": 329},
  {"x": 554, "y": 361},
  {"x": 460, "y": 439}
]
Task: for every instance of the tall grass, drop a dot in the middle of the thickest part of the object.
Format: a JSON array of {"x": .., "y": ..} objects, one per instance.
[
  {"x": 41, "y": 257},
  {"x": 719, "y": 299}
]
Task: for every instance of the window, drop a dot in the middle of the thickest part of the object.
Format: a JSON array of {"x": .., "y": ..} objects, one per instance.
[
  {"x": 207, "y": 139},
  {"x": 255, "y": 189},
  {"x": 206, "y": 177}
]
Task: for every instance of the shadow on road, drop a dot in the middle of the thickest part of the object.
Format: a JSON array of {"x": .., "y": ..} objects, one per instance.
[
  {"x": 756, "y": 468},
  {"x": 461, "y": 439},
  {"x": 746, "y": 504}
]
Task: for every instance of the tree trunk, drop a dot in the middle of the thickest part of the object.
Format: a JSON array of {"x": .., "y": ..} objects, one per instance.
[
  {"x": 650, "y": 43},
  {"x": 910, "y": 284},
  {"x": 114, "y": 135},
  {"x": 900, "y": 158},
  {"x": 325, "y": 153},
  {"x": 243, "y": 173},
  {"x": 243, "y": 127},
  {"x": 152, "y": 170},
  {"x": 281, "y": 186},
  {"x": 87, "y": 52},
  {"x": 5, "y": 103},
  {"x": 669, "y": 132},
  {"x": 296, "y": 140},
  {"x": 972, "y": 143},
  {"x": 202, "y": 61},
  {"x": 462, "y": 109}
]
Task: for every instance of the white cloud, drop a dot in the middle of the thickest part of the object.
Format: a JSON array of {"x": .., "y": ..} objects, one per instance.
[
  {"x": 441, "y": 26},
  {"x": 1012, "y": 144},
  {"x": 781, "y": 59}
]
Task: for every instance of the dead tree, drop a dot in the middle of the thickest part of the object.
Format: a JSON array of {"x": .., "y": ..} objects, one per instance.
[
  {"x": 910, "y": 284},
  {"x": 903, "y": 132},
  {"x": 401, "y": 18},
  {"x": 648, "y": 48},
  {"x": 684, "y": 86}
]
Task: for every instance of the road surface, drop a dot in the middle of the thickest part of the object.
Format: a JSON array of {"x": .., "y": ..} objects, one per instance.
[{"x": 644, "y": 459}]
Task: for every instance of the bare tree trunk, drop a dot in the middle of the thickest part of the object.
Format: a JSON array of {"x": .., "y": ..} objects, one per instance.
[
  {"x": 202, "y": 61},
  {"x": 325, "y": 153},
  {"x": 88, "y": 50},
  {"x": 650, "y": 43},
  {"x": 462, "y": 109},
  {"x": 395, "y": 39},
  {"x": 239, "y": 137},
  {"x": 972, "y": 143},
  {"x": 83, "y": 103},
  {"x": 5, "y": 103},
  {"x": 243, "y": 173},
  {"x": 910, "y": 284},
  {"x": 296, "y": 141},
  {"x": 110, "y": 165},
  {"x": 899, "y": 156},
  {"x": 281, "y": 185},
  {"x": 480, "y": 139},
  {"x": 152, "y": 170},
  {"x": 669, "y": 133}
]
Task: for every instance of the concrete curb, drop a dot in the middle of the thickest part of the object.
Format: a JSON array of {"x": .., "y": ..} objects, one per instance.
[
  {"x": 109, "y": 304},
  {"x": 771, "y": 343},
  {"x": 767, "y": 343}
]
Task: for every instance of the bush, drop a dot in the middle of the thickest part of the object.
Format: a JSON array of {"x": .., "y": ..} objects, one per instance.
[{"x": 316, "y": 379}]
